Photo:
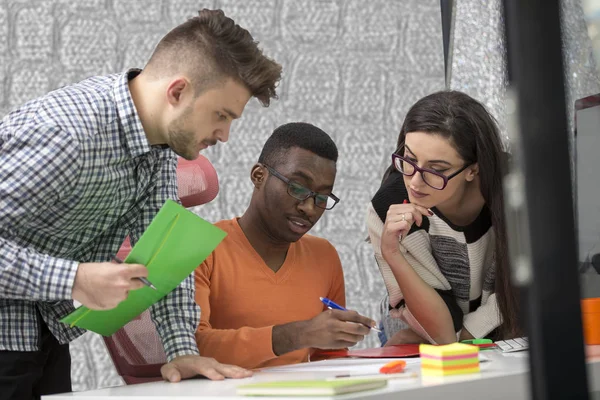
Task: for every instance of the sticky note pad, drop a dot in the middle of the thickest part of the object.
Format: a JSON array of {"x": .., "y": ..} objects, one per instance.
[
  {"x": 451, "y": 359},
  {"x": 174, "y": 245},
  {"x": 310, "y": 387}
]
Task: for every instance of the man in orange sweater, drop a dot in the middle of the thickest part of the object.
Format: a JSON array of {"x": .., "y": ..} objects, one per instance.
[{"x": 259, "y": 290}]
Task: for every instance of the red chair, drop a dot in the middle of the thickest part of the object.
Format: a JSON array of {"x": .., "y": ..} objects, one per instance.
[{"x": 136, "y": 349}]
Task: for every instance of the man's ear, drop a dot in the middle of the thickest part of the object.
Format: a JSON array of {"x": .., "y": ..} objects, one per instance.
[
  {"x": 258, "y": 175},
  {"x": 177, "y": 91},
  {"x": 472, "y": 172}
]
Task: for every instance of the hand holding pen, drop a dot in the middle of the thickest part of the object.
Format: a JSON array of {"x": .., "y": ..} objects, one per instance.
[
  {"x": 331, "y": 330},
  {"x": 103, "y": 285},
  {"x": 145, "y": 281},
  {"x": 328, "y": 330},
  {"x": 333, "y": 306}
]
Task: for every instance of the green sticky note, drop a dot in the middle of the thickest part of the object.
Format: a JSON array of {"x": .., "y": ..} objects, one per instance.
[
  {"x": 477, "y": 341},
  {"x": 310, "y": 387},
  {"x": 176, "y": 242}
]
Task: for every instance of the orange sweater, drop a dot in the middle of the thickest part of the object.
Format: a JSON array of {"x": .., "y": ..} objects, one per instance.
[{"x": 241, "y": 298}]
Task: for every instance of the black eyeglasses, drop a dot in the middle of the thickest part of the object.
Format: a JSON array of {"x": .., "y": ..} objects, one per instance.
[
  {"x": 299, "y": 192},
  {"x": 432, "y": 178}
]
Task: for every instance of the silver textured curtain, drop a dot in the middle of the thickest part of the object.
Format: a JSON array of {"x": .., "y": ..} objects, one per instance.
[{"x": 350, "y": 67}]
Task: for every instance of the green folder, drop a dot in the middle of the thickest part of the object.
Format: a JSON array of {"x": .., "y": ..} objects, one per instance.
[
  {"x": 310, "y": 387},
  {"x": 176, "y": 242}
]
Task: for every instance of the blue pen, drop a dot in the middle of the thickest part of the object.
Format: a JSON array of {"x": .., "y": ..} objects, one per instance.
[
  {"x": 145, "y": 281},
  {"x": 332, "y": 305}
]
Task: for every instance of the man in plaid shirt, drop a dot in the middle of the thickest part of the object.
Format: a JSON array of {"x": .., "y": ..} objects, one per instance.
[{"x": 85, "y": 166}]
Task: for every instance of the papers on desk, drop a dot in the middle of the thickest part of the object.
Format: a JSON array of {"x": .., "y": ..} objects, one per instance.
[
  {"x": 344, "y": 369},
  {"x": 340, "y": 366},
  {"x": 337, "y": 367},
  {"x": 334, "y": 370}
]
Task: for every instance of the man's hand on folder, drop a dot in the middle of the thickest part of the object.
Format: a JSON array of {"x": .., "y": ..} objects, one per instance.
[
  {"x": 102, "y": 286},
  {"x": 184, "y": 367}
]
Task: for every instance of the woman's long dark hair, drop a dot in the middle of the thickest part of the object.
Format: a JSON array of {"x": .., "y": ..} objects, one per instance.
[{"x": 474, "y": 134}]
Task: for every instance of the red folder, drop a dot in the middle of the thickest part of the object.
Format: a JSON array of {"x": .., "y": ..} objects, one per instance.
[{"x": 396, "y": 351}]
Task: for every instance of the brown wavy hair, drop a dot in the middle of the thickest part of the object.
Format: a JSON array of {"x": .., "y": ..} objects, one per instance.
[{"x": 473, "y": 132}]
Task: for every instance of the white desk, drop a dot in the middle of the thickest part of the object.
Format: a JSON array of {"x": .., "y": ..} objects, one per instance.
[{"x": 501, "y": 377}]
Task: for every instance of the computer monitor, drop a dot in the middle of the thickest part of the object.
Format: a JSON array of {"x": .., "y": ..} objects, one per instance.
[{"x": 587, "y": 189}]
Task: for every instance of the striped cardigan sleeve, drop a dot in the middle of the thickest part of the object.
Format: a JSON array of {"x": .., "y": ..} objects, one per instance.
[
  {"x": 485, "y": 319},
  {"x": 416, "y": 250}
]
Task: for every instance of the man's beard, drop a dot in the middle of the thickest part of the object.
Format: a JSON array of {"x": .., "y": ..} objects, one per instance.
[
  {"x": 182, "y": 141},
  {"x": 182, "y": 144}
]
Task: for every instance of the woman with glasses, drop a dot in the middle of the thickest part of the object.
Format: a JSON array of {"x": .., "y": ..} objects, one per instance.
[{"x": 437, "y": 227}]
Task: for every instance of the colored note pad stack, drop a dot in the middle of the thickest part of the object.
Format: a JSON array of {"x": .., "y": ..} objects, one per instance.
[{"x": 451, "y": 359}]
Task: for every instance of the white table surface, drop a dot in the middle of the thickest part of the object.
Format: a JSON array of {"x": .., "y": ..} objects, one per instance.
[{"x": 502, "y": 376}]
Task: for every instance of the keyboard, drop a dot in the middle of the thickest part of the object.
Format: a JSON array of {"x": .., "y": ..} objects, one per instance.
[{"x": 512, "y": 345}]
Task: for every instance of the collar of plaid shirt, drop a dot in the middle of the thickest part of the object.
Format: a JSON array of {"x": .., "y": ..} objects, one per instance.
[{"x": 135, "y": 139}]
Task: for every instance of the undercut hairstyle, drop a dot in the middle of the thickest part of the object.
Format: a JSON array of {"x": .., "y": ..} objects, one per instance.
[
  {"x": 210, "y": 48},
  {"x": 297, "y": 134}
]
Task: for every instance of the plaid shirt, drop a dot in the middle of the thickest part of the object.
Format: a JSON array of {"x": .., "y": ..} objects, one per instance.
[{"x": 77, "y": 175}]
